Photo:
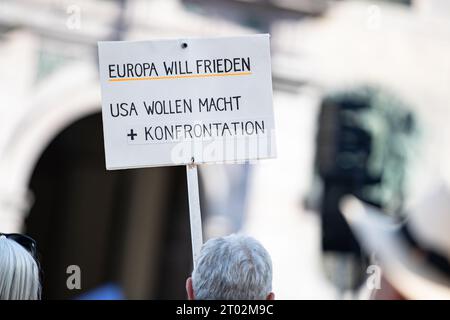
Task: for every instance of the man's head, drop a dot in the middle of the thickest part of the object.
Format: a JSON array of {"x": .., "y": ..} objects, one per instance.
[{"x": 231, "y": 268}]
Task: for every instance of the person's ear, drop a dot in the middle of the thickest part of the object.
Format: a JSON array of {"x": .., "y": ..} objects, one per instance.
[
  {"x": 190, "y": 289},
  {"x": 271, "y": 296}
]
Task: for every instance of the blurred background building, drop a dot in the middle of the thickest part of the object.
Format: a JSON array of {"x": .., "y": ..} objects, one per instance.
[{"x": 131, "y": 228}]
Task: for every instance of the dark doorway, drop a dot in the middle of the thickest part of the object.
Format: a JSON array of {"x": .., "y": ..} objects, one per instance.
[{"x": 129, "y": 227}]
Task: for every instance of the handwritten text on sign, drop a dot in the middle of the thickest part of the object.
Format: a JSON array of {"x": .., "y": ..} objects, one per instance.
[{"x": 166, "y": 102}]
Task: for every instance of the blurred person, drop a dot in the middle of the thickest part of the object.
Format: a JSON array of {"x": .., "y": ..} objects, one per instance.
[
  {"x": 414, "y": 256},
  {"x": 364, "y": 147},
  {"x": 233, "y": 267},
  {"x": 19, "y": 270}
]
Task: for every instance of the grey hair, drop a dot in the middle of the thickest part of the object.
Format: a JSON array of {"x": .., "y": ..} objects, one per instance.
[
  {"x": 19, "y": 272},
  {"x": 234, "y": 267}
]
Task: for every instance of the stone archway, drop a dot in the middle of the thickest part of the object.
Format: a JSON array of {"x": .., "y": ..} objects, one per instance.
[
  {"x": 60, "y": 101},
  {"x": 115, "y": 226},
  {"x": 156, "y": 228}
]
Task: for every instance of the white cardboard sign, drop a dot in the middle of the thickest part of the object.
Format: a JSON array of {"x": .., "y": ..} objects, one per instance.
[{"x": 173, "y": 102}]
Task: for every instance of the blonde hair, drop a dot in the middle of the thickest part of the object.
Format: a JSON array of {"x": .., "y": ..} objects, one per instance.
[{"x": 19, "y": 272}]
